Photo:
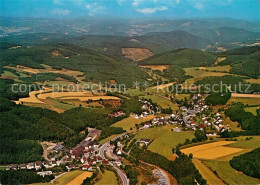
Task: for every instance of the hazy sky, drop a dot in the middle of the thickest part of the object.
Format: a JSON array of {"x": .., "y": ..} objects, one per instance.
[{"x": 238, "y": 9}]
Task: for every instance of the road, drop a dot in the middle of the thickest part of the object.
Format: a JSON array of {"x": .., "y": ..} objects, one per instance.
[{"x": 119, "y": 172}]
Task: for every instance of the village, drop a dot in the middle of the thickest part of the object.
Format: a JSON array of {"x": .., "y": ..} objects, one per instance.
[{"x": 89, "y": 155}]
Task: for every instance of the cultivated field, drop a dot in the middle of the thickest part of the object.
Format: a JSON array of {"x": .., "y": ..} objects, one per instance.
[
  {"x": 79, "y": 179},
  {"x": 108, "y": 178},
  {"x": 237, "y": 95},
  {"x": 130, "y": 122},
  {"x": 136, "y": 54},
  {"x": 156, "y": 67},
  {"x": 164, "y": 139},
  {"x": 212, "y": 150},
  {"x": 90, "y": 98},
  {"x": 68, "y": 177}
]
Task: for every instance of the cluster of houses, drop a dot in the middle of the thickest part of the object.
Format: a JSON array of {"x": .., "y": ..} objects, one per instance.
[
  {"x": 117, "y": 114},
  {"x": 38, "y": 165},
  {"x": 186, "y": 117},
  {"x": 87, "y": 154}
]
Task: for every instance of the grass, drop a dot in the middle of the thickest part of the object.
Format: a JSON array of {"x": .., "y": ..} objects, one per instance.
[
  {"x": 252, "y": 110},
  {"x": 206, "y": 173},
  {"x": 246, "y": 144},
  {"x": 228, "y": 174},
  {"x": 225, "y": 68},
  {"x": 130, "y": 122},
  {"x": 134, "y": 92},
  {"x": 253, "y": 81},
  {"x": 164, "y": 103},
  {"x": 108, "y": 178},
  {"x": 164, "y": 139},
  {"x": 108, "y": 138},
  {"x": 249, "y": 101},
  {"x": 64, "y": 179},
  {"x": 199, "y": 74},
  {"x": 61, "y": 105},
  {"x": 10, "y": 74},
  {"x": 2, "y": 168}
]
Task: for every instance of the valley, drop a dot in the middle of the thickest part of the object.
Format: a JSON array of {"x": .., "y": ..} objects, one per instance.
[{"x": 129, "y": 102}]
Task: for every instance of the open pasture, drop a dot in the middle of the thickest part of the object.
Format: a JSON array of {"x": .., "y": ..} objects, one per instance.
[
  {"x": 164, "y": 139},
  {"x": 130, "y": 122}
]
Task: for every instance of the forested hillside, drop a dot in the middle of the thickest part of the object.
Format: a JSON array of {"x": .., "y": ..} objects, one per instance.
[{"x": 96, "y": 66}]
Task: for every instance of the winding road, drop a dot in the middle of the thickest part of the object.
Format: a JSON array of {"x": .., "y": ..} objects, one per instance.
[{"x": 102, "y": 150}]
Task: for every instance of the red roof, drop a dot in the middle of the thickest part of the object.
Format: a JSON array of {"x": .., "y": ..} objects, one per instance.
[
  {"x": 105, "y": 162},
  {"x": 86, "y": 166}
]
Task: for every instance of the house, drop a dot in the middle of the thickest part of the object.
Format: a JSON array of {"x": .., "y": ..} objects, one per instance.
[
  {"x": 71, "y": 166},
  {"x": 176, "y": 129},
  {"x": 144, "y": 141},
  {"x": 105, "y": 162},
  {"x": 118, "y": 152},
  {"x": 22, "y": 166},
  {"x": 46, "y": 164},
  {"x": 58, "y": 148},
  {"x": 30, "y": 166},
  {"x": 38, "y": 165},
  {"x": 146, "y": 125},
  {"x": 83, "y": 159},
  {"x": 53, "y": 163},
  {"x": 13, "y": 167},
  {"x": 44, "y": 173},
  {"x": 86, "y": 168}
]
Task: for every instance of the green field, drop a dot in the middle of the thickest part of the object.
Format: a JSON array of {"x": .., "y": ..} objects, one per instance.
[
  {"x": 206, "y": 173},
  {"x": 60, "y": 105},
  {"x": 252, "y": 110},
  {"x": 108, "y": 178},
  {"x": 225, "y": 68},
  {"x": 249, "y": 144},
  {"x": 249, "y": 101},
  {"x": 66, "y": 178},
  {"x": 164, "y": 103},
  {"x": 164, "y": 139},
  {"x": 134, "y": 92},
  {"x": 230, "y": 175},
  {"x": 130, "y": 122}
]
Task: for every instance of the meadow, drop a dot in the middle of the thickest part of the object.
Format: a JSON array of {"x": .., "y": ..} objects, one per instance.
[
  {"x": 68, "y": 177},
  {"x": 164, "y": 139},
  {"x": 108, "y": 178},
  {"x": 216, "y": 156},
  {"x": 230, "y": 175},
  {"x": 130, "y": 122}
]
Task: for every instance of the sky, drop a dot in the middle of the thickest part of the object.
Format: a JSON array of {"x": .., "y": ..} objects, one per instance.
[{"x": 237, "y": 9}]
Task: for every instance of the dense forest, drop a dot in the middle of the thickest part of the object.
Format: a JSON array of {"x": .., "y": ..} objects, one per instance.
[
  {"x": 97, "y": 66},
  {"x": 248, "y": 163},
  {"x": 15, "y": 177},
  {"x": 217, "y": 98}
]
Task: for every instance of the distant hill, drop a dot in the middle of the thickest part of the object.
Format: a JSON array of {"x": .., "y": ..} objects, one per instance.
[
  {"x": 226, "y": 35},
  {"x": 182, "y": 58},
  {"x": 244, "y": 61},
  {"x": 96, "y": 66}
]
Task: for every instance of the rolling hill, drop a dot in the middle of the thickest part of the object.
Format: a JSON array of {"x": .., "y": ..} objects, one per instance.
[
  {"x": 182, "y": 58},
  {"x": 96, "y": 66}
]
